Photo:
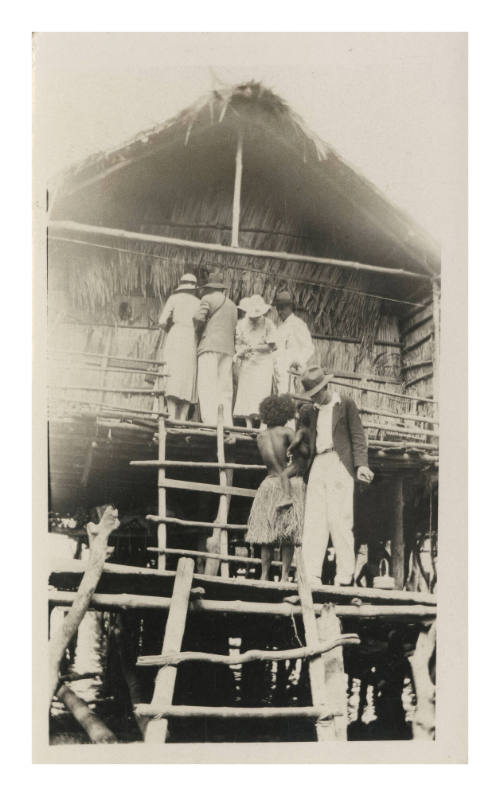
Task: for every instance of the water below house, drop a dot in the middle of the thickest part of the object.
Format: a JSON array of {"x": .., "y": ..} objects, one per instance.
[{"x": 93, "y": 668}]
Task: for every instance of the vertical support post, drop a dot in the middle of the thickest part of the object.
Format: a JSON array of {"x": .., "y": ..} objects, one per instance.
[
  {"x": 397, "y": 533},
  {"x": 157, "y": 729},
  {"x": 235, "y": 229},
  {"x": 325, "y": 730},
  {"x": 225, "y": 478},
  {"x": 105, "y": 363},
  {"x": 436, "y": 305},
  {"x": 424, "y": 722},
  {"x": 335, "y": 678},
  {"x": 162, "y": 492}
]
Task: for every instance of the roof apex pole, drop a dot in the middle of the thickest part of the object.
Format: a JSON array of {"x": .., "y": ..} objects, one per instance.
[
  {"x": 237, "y": 190},
  {"x": 56, "y": 227}
]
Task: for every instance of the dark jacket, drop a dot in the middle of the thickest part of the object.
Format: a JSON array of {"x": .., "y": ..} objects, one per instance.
[{"x": 349, "y": 439}]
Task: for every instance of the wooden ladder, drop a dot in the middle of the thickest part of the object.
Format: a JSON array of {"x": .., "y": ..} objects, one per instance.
[
  {"x": 324, "y": 639},
  {"x": 224, "y": 489},
  {"x": 323, "y": 650}
]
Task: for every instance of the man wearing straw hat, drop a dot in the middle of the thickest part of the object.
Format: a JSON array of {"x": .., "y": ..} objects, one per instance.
[
  {"x": 215, "y": 321},
  {"x": 338, "y": 456},
  {"x": 294, "y": 342}
]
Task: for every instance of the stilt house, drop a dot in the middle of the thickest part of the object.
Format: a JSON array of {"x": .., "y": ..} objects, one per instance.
[{"x": 237, "y": 183}]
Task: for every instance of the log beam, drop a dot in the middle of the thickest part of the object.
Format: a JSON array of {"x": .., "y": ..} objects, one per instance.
[
  {"x": 93, "y": 726},
  {"x": 277, "y": 590},
  {"x": 123, "y": 234},
  {"x": 126, "y": 602},
  {"x": 201, "y": 711}
]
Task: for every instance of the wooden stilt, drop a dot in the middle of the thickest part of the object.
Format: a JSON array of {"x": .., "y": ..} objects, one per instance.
[
  {"x": 425, "y": 690},
  {"x": 336, "y": 686},
  {"x": 157, "y": 729},
  {"x": 325, "y": 729},
  {"x": 397, "y": 536},
  {"x": 128, "y": 669}
]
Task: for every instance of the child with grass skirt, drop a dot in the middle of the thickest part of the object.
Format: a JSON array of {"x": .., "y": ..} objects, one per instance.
[{"x": 277, "y": 511}]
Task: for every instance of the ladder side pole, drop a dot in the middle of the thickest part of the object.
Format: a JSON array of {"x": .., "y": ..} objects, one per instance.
[
  {"x": 157, "y": 729},
  {"x": 162, "y": 492},
  {"x": 329, "y": 626},
  {"x": 324, "y": 727},
  {"x": 225, "y": 479}
]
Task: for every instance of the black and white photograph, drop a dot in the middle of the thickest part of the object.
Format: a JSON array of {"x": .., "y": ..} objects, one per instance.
[{"x": 243, "y": 264}]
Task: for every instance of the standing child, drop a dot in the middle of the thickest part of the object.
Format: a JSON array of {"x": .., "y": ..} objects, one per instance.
[{"x": 277, "y": 511}]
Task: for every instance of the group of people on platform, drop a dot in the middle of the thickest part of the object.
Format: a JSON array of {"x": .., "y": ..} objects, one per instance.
[
  {"x": 216, "y": 351},
  {"x": 307, "y": 495}
]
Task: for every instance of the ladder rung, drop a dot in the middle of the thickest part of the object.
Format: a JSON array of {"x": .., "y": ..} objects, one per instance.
[
  {"x": 202, "y": 465},
  {"x": 99, "y": 388},
  {"x": 219, "y": 556},
  {"x": 200, "y": 711},
  {"x": 195, "y": 524},
  {"x": 216, "y": 489},
  {"x": 175, "y": 658}
]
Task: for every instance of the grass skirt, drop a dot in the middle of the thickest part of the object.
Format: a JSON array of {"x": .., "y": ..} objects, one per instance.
[{"x": 267, "y": 524}]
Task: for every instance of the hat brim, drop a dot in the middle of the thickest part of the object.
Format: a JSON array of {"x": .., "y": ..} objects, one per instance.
[
  {"x": 187, "y": 286},
  {"x": 304, "y": 396},
  {"x": 215, "y": 285},
  {"x": 258, "y": 313}
]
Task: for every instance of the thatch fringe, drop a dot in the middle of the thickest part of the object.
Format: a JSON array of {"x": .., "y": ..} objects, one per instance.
[{"x": 93, "y": 278}]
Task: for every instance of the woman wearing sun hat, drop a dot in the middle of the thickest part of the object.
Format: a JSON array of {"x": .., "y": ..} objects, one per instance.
[
  {"x": 179, "y": 351},
  {"x": 255, "y": 344}
]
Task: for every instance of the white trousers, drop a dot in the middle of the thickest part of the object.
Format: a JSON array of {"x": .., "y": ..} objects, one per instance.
[
  {"x": 215, "y": 386},
  {"x": 329, "y": 515}
]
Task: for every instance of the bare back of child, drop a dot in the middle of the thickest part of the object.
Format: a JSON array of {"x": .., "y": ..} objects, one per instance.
[
  {"x": 269, "y": 523},
  {"x": 275, "y": 442}
]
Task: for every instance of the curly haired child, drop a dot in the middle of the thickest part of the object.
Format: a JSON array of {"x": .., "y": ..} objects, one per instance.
[{"x": 278, "y": 507}]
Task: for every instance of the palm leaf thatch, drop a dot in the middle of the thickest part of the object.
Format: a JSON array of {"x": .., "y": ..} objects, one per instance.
[{"x": 298, "y": 196}]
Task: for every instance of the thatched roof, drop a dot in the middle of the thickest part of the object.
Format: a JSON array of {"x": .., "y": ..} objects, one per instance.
[
  {"x": 269, "y": 124},
  {"x": 298, "y": 195}
]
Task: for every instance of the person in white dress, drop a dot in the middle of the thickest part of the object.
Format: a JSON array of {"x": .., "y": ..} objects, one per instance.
[
  {"x": 295, "y": 346},
  {"x": 242, "y": 311},
  {"x": 255, "y": 346},
  {"x": 179, "y": 350}
]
